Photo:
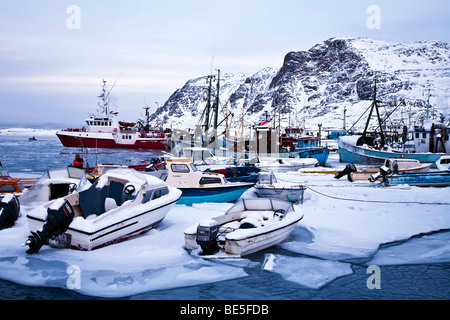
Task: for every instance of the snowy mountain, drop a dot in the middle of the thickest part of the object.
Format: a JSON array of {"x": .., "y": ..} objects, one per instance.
[{"x": 315, "y": 86}]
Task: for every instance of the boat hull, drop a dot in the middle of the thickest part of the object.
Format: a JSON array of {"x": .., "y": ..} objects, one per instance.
[
  {"x": 349, "y": 152},
  {"x": 92, "y": 234},
  {"x": 423, "y": 179},
  {"x": 83, "y": 140},
  {"x": 292, "y": 194},
  {"x": 265, "y": 239},
  {"x": 321, "y": 154},
  {"x": 221, "y": 194}
]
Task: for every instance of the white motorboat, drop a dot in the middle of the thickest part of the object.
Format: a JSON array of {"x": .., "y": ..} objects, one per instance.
[
  {"x": 268, "y": 187},
  {"x": 249, "y": 226},
  {"x": 443, "y": 163},
  {"x": 121, "y": 204},
  {"x": 55, "y": 184}
]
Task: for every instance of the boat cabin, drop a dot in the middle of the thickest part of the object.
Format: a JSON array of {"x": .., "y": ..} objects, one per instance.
[
  {"x": 183, "y": 173},
  {"x": 307, "y": 142},
  {"x": 9, "y": 184},
  {"x": 112, "y": 190}
]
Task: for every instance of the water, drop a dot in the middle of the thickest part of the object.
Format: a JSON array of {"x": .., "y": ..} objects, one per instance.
[{"x": 420, "y": 280}]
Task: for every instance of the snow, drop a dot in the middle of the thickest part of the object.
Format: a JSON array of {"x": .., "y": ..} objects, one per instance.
[
  {"x": 333, "y": 232},
  {"x": 29, "y": 132}
]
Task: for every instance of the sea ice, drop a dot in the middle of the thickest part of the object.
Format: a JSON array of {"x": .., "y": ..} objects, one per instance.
[{"x": 309, "y": 272}]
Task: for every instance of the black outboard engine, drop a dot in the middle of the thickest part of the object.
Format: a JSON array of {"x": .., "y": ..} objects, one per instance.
[
  {"x": 207, "y": 233},
  {"x": 59, "y": 216},
  {"x": 348, "y": 169},
  {"x": 9, "y": 211},
  {"x": 384, "y": 171}
]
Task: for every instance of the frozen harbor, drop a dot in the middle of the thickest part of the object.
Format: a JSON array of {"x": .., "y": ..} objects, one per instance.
[{"x": 347, "y": 229}]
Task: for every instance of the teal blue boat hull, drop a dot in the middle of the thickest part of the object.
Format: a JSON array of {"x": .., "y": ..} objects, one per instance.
[
  {"x": 420, "y": 179},
  {"x": 319, "y": 153},
  {"x": 350, "y": 153},
  {"x": 221, "y": 194}
]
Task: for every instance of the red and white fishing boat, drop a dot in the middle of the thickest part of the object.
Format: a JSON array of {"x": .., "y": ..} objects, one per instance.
[{"x": 105, "y": 131}]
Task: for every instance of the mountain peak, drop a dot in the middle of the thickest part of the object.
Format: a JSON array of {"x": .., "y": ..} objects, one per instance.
[{"x": 315, "y": 86}]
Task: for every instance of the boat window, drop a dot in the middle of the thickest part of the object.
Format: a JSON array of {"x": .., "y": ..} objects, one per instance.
[
  {"x": 209, "y": 180},
  {"x": 424, "y": 135},
  {"x": 147, "y": 196},
  {"x": 417, "y": 135},
  {"x": 7, "y": 188},
  {"x": 179, "y": 168},
  {"x": 193, "y": 167}
]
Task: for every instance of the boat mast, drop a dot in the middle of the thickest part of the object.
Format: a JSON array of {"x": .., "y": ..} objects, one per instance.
[{"x": 375, "y": 106}]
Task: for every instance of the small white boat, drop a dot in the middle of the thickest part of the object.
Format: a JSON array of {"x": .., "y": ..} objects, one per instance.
[
  {"x": 268, "y": 187},
  {"x": 121, "y": 204},
  {"x": 249, "y": 226},
  {"x": 443, "y": 163},
  {"x": 55, "y": 184},
  {"x": 280, "y": 164}
]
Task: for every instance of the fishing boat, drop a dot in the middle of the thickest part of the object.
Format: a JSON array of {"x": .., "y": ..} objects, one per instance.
[
  {"x": 55, "y": 184},
  {"x": 106, "y": 131},
  {"x": 443, "y": 163},
  {"x": 251, "y": 225},
  {"x": 420, "y": 179},
  {"x": 391, "y": 165},
  {"x": 201, "y": 186},
  {"x": 121, "y": 204},
  {"x": 308, "y": 147},
  {"x": 268, "y": 187},
  {"x": 427, "y": 144}
]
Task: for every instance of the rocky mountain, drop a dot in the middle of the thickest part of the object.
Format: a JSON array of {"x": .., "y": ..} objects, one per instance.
[{"x": 315, "y": 86}]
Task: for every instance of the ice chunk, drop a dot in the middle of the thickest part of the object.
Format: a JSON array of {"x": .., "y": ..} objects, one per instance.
[
  {"x": 309, "y": 272},
  {"x": 427, "y": 249}
]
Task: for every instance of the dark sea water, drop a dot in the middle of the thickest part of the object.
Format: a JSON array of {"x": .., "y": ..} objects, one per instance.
[{"x": 398, "y": 282}]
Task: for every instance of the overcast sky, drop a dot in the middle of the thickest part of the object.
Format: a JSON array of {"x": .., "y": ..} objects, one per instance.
[{"x": 54, "y": 54}]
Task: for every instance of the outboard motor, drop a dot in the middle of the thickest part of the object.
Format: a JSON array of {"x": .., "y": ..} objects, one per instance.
[
  {"x": 207, "y": 233},
  {"x": 59, "y": 216},
  {"x": 347, "y": 170},
  {"x": 9, "y": 211},
  {"x": 384, "y": 171}
]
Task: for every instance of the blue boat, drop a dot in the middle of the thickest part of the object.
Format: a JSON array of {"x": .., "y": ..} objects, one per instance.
[
  {"x": 420, "y": 179},
  {"x": 351, "y": 152},
  {"x": 197, "y": 186},
  {"x": 308, "y": 147}
]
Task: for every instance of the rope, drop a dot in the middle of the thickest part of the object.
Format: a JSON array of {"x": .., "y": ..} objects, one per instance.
[{"x": 380, "y": 201}]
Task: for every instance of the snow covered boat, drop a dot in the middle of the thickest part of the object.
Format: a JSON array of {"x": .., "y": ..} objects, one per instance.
[
  {"x": 268, "y": 187},
  {"x": 249, "y": 226},
  {"x": 420, "y": 179},
  {"x": 279, "y": 164},
  {"x": 390, "y": 166},
  {"x": 121, "y": 204},
  {"x": 198, "y": 186},
  {"x": 55, "y": 184}
]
